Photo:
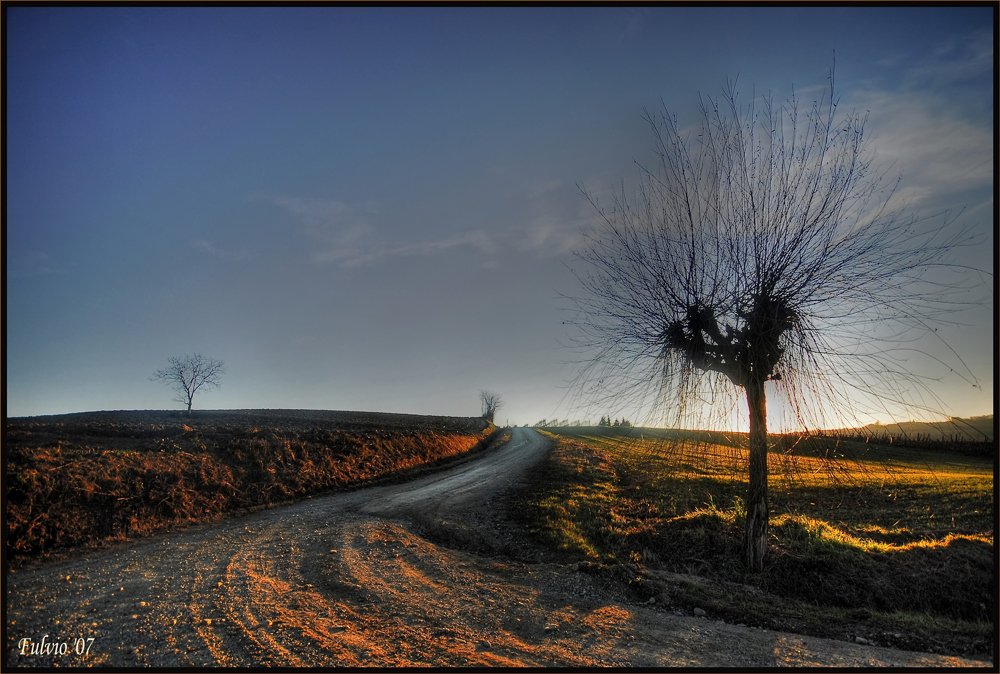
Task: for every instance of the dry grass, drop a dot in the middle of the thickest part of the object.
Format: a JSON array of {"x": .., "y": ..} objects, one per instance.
[
  {"x": 87, "y": 478},
  {"x": 898, "y": 539}
]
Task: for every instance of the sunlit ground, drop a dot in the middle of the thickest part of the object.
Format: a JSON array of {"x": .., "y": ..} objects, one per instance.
[{"x": 884, "y": 531}]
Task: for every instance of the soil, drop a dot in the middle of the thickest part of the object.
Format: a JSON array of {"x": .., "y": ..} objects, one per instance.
[{"x": 421, "y": 573}]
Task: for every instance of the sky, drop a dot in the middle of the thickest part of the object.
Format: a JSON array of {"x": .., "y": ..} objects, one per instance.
[{"x": 376, "y": 208}]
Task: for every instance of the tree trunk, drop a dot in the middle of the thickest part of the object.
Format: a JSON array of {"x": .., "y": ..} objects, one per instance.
[
  {"x": 755, "y": 540},
  {"x": 189, "y": 406}
]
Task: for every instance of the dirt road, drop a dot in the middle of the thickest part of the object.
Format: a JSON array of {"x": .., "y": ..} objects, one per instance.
[{"x": 346, "y": 580}]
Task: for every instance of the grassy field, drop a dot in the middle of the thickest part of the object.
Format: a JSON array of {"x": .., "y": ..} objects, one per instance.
[
  {"x": 890, "y": 544},
  {"x": 98, "y": 477}
]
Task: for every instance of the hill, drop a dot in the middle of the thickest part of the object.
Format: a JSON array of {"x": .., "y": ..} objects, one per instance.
[{"x": 957, "y": 428}]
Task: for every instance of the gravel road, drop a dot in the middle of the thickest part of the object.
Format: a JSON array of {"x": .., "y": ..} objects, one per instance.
[{"x": 345, "y": 580}]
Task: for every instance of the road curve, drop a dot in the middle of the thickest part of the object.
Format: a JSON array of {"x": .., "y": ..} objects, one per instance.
[
  {"x": 192, "y": 597},
  {"x": 343, "y": 580},
  {"x": 464, "y": 486}
]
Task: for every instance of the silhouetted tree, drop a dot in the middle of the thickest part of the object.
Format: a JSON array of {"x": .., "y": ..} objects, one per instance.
[
  {"x": 190, "y": 374},
  {"x": 765, "y": 249},
  {"x": 491, "y": 403}
]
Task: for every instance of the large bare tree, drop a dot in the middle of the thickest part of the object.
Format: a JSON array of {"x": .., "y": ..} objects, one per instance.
[
  {"x": 762, "y": 247},
  {"x": 189, "y": 374}
]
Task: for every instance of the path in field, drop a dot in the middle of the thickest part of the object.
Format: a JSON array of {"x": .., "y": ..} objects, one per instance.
[{"x": 344, "y": 580}]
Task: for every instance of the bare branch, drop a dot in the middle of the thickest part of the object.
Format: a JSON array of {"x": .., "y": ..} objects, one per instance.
[
  {"x": 189, "y": 374},
  {"x": 491, "y": 403},
  {"x": 766, "y": 249}
]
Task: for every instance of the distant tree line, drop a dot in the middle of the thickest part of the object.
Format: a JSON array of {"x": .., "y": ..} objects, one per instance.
[
  {"x": 943, "y": 443},
  {"x": 557, "y": 423},
  {"x": 607, "y": 423}
]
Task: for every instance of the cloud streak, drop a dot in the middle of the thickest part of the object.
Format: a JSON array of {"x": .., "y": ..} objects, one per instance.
[
  {"x": 955, "y": 60},
  {"x": 32, "y": 263},
  {"x": 207, "y": 247},
  {"x": 550, "y": 225},
  {"x": 361, "y": 248},
  {"x": 937, "y": 152}
]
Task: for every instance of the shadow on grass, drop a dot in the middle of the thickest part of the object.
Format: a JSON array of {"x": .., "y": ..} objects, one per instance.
[{"x": 840, "y": 556}]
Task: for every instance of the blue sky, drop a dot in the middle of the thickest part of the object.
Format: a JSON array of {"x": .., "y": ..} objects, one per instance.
[{"x": 375, "y": 208}]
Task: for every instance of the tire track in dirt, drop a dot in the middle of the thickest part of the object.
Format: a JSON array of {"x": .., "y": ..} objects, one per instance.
[{"x": 344, "y": 580}]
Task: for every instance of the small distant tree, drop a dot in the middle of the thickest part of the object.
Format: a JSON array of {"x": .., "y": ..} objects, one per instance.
[
  {"x": 491, "y": 403},
  {"x": 189, "y": 374}
]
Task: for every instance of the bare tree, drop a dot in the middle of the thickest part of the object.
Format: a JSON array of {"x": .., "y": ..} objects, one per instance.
[
  {"x": 766, "y": 249},
  {"x": 190, "y": 374},
  {"x": 491, "y": 403}
]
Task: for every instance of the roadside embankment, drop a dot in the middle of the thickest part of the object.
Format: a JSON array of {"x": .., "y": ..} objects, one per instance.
[{"x": 84, "y": 479}]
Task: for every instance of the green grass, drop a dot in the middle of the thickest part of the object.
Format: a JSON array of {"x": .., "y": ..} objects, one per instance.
[{"x": 863, "y": 539}]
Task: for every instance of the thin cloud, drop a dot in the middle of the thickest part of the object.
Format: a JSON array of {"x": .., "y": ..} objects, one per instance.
[
  {"x": 954, "y": 61},
  {"x": 348, "y": 239},
  {"x": 32, "y": 263},
  {"x": 551, "y": 235},
  {"x": 930, "y": 127},
  {"x": 543, "y": 188},
  {"x": 326, "y": 215},
  {"x": 550, "y": 221},
  {"x": 934, "y": 149},
  {"x": 360, "y": 251},
  {"x": 207, "y": 247},
  {"x": 557, "y": 217}
]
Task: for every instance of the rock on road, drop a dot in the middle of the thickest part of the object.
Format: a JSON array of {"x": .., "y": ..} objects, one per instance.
[{"x": 343, "y": 580}]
